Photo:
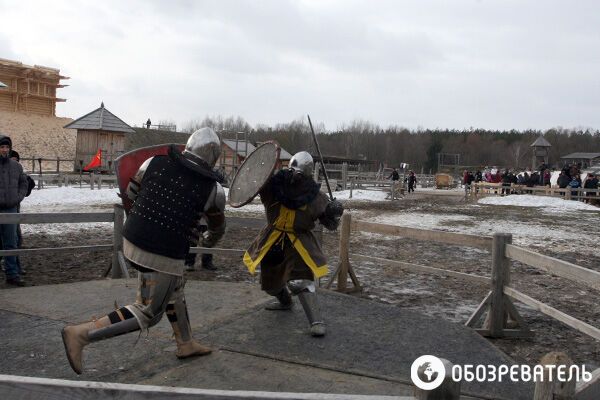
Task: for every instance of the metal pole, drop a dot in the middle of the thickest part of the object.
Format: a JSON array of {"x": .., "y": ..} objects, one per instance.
[{"x": 320, "y": 157}]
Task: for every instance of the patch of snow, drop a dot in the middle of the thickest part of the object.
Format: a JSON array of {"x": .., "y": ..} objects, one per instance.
[
  {"x": 360, "y": 194},
  {"x": 550, "y": 204}
]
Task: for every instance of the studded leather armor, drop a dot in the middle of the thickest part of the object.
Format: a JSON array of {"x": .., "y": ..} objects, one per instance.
[{"x": 167, "y": 206}]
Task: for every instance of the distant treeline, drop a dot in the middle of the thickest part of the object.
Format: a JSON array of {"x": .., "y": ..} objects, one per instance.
[{"x": 394, "y": 145}]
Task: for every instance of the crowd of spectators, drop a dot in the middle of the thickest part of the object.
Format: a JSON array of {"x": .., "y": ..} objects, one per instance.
[{"x": 570, "y": 177}]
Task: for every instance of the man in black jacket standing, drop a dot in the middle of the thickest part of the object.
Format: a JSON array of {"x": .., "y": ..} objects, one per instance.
[{"x": 13, "y": 188}]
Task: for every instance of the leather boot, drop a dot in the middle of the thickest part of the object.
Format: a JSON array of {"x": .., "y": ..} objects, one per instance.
[
  {"x": 76, "y": 337},
  {"x": 186, "y": 345}
]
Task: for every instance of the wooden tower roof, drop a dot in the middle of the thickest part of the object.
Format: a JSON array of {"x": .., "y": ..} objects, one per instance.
[
  {"x": 100, "y": 119},
  {"x": 541, "y": 142}
]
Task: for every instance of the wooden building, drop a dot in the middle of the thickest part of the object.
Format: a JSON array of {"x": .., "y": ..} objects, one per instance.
[
  {"x": 29, "y": 89},
  {"x": 586, "y": 160},
  {"x": 541, "y": 152},
  {"x": 234, "y": 152},
  {"x": 99, "y": 130}
]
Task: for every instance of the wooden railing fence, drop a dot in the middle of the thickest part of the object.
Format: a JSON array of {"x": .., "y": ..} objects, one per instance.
[
  {"x": 503, "y": 319},
  {"x": 93, "y": 180}
]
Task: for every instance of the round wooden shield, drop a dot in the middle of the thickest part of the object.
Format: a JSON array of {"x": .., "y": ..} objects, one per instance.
[{"x": 252, "y": 175}]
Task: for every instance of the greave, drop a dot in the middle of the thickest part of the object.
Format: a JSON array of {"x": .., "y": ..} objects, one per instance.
[
  {"x": 178, "y": 317},
  {"x": 121, "y": 321},
  {"x": 313, "y": 313},
  {"x": 180, "y": 322}
]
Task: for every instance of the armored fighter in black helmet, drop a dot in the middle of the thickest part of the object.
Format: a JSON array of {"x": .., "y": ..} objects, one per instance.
[
  {"x": 289, "y": 255},
  {"x": 170, "y": 194}
]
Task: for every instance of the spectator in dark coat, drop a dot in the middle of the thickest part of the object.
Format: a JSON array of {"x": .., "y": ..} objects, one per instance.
[
  {"x": 507, "y": 179},
  {"x": 591, "y": 182},
  {"x": 13, "y": 188},
  {"x": 395, "y": 176},
  {"x": 30, "y": 185},
  {"x": 412, "y": 182},
  {"x": 563, "y": 179}
]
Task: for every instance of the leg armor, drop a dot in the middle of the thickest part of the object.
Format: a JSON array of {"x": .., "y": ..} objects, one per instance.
[
  {"x": 305, "y": 289},
  {"x": 154, "y": 290},
  {"x": 180, "y": 322},
  {"x": 283, "y": 302}
]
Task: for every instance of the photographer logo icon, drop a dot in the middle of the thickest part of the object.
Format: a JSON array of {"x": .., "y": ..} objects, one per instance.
[{"x": 427, "y": 372}]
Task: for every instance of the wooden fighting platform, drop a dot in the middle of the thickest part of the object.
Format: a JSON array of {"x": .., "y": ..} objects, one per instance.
[{"x": 368, "y": 350}]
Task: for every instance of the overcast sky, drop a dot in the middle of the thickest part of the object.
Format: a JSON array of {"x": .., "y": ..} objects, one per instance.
[{"x": 449, "y": 63}]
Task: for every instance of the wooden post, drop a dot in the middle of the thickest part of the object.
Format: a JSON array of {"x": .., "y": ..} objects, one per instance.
[
  {"x": 117, "y": 240},
  {"x": 351, "y": 187},
  {"x": 568, "y": 194},
  {"x": 344, "y": 252},
  {"x": 57, "y": 165},
  {"x": 500, "y": 278},
  {"x": 448, "y": 389},
  {"x": 551, "y": 388},
  {"x": 344, "y": 175},
  {"x": 41, "y": 181}
]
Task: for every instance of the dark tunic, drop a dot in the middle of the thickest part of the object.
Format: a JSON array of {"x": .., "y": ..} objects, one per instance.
[{"x": 286, "y": 248}]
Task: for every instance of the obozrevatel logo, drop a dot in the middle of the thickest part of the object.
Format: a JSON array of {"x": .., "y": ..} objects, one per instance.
[{"x": 433, "y": 370}]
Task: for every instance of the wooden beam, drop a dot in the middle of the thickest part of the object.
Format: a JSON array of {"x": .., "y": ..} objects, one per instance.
[
  {"x": 500, "y": 278},
  {"x": 550, "y": 387},
  {"x": 554, "y": 313},
  {"x": 459, "y": 239},
  {"x": 30, "y": 388},
  {"x": 55, "y": 218},
  {"x": 21, "y": 252},
  {"x": 423, "y": 268},
  {"x": 483, "y": 306},
  {"x": 555, "y": 266},
  {"x": 216, "y": 250}
]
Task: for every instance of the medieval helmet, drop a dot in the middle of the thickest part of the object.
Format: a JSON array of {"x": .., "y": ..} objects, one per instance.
[
  {"x": 203, "y": 144},
  {"x": 302, "y": 162}
]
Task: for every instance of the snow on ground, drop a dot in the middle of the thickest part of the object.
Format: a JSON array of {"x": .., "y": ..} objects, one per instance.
[
  {"x": 69, "y": 199},
  {"x": 367, "y": 195},
  {"x": 74, "y": 199},
  {"x": 550, "y": 204}
]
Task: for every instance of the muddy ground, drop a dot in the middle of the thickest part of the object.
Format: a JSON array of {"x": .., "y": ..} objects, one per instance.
[{"x": 446, "y": 298}]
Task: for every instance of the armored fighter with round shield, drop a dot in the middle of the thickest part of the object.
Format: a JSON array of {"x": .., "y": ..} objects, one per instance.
[
  {"x": 289, "y": 255},
  {"x": 169, "y": 195}
]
